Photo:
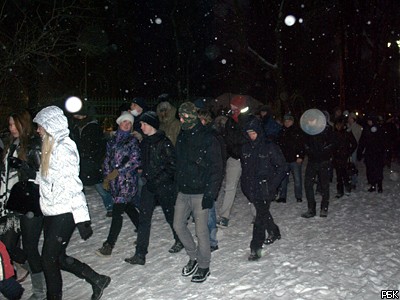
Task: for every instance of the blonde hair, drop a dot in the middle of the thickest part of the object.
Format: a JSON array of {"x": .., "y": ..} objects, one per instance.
[{"x": 47, "y": 147}]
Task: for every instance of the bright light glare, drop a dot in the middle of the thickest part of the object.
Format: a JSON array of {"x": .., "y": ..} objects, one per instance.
[
  {"x": 290, "y": 20},
  {"x": 243, "y": 110},
  {"x": 73, "y": 104}
]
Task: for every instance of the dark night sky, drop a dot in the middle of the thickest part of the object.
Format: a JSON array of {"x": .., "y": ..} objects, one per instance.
[{"x": 200, "y": 48}]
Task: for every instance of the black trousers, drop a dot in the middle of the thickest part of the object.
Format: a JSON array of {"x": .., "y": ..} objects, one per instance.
[
  {"x": 116, "y": 222},
  {"x": 320, "y": 170},
  {"x": 374, "y": 169},
  {"x": 31, "y": 229},
  {"x": 342, "y": 178},
  {"x": 263, "y": 222},
  {"x": 148, "y": 200},
  {"x": 57, "y": 234}
]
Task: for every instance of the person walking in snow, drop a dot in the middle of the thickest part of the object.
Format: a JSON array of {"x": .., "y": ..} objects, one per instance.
[
  {"x": 88, "y": 135},
  {"x": 234, "y": 140},
  {"x": 216, "y": 129},
  {"x": 22, "y": 161},
  {"x": 371, "y": 147},
  {"x": 63, "y": 204},
  {"x": 319, "y": 150},
  {"x": 345, "y": 146},
  {"x": 356, "y": 129},
  {"x": 291, "y": 142},
  {"x": 199, "y": 171},
  {"x": 263, "y": 168},
  {"x": 158, "y": 174},
  {"x": 120, "y": 178}
]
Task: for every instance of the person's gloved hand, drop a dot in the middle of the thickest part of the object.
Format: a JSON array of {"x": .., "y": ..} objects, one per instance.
[
  {"x": 85, "y": 230},
  {"x": 106, "y": 184},
  {"x": 11, "y": 288},
  {"x": 15, "y": 162},
  {"x": 114, "y": 173}
]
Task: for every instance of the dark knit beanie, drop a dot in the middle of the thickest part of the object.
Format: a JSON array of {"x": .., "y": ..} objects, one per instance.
[
  {"x": 140, "y": 101},
  {"x": 151, "y": 118}
]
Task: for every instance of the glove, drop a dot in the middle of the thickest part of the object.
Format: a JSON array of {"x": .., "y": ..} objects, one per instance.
[
  {"x": 106, "y": 184},
  {"x": 11, "y": 289},
  {"x": 15, "y": 162},
  {"x": 114, "y": 173},
  {"x": 85, "y": 230},
  {"x": 207, "y": 203}
]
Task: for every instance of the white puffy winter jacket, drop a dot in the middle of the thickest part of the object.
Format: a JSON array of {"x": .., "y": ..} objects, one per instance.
[{"x": 61, "y": 190}]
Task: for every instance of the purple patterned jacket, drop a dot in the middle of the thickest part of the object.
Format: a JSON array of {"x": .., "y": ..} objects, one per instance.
[{"x": 123, "y": 154}]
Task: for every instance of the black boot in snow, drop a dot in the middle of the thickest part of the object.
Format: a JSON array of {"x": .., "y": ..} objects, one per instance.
[
  {"x": 380, "y": 190},
  {"x": 98, "y": 282},
  {"x": 54, "y": 296},
  {"x": 309, "y": 214},
  {"x": 98, "y": 285},
  {"x": 273, "y": 237},
  {"x": 372, "y": 188}
]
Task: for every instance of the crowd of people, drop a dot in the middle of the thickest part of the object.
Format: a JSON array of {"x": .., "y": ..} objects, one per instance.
[{"x": 185, "y": 159}]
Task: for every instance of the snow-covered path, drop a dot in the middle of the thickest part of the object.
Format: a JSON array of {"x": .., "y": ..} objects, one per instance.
[{"x": 352, "y": 254}]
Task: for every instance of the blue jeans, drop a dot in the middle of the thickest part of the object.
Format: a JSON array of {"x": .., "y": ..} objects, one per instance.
[
  {"x": 212, "y": 226},
  {"x": 105, "y": 195},
  {"x": 185, "y": 205},
  {"x": 295, "y": 169}
]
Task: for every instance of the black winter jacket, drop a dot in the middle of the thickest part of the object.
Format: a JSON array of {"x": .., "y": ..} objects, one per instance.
[
  {"x": 32, "y": 164},
  {"x": 91, "y": 144},
  {"x": 263, "y": 166},
  {"x": 234, "y": 138},
  {"x": 320, "y": 147},
  {"x": 345, "y": 145},
  {"x": 372, "y": 143},
  {"x": 291, "y": 142},
  {"x": 158, "y": 161},
  {"x": 199, "y": 163}
]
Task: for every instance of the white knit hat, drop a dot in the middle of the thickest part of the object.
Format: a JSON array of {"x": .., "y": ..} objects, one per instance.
[{"x": 125, "y": 115}]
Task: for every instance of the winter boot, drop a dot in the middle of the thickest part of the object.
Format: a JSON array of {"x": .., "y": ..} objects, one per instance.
[
  {"x": 105, "y": 250},
  {"x": 372, "y": 188},
  {"x": 38, "y": 286},
  {"x": 380, "y": 190},
  {"x": 201, "y": 275},
  {"x": 190, "y": 268},
  {"x": 98, "y": 282},
  {"x": 324, "y": 212},
  {"x": 273, "y": 237},
  {"x": 54, "y": 296},
  {"x": 340, "y": 191},
  {"x": 137, "y": 259},
  {"x": 178, "y": 246},
  {"x": 311, "y": 212},
  {"x": 255, "y": 254}
]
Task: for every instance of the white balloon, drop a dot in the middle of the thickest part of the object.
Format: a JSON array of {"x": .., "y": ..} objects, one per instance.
[
  {"x": 290, "y": 20},
  {"x": 313, "y": 121},
  {"x": 73, "y": 104}
]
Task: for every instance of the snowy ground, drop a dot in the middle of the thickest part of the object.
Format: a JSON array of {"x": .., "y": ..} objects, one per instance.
[{"x": 352, "y": 254}]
